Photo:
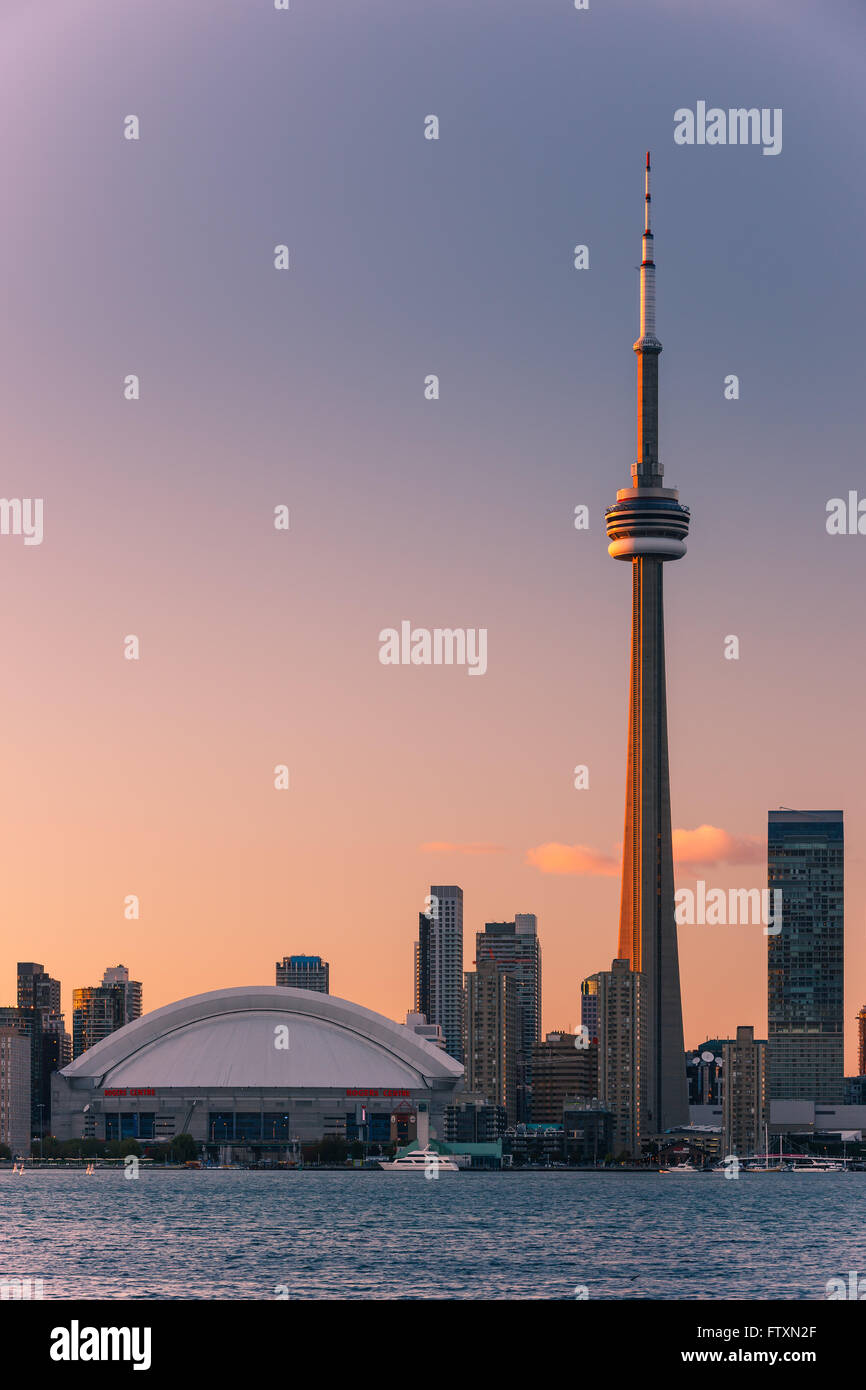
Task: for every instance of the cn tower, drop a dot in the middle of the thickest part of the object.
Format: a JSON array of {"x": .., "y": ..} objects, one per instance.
[{"x": 647, "y": 527}]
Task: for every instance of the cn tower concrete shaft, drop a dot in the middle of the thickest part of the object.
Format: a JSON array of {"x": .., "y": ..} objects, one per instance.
[{"x": 647, "y": 527}]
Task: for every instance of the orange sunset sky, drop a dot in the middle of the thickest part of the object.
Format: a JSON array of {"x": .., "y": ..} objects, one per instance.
[{"x": 306, "y": 388}]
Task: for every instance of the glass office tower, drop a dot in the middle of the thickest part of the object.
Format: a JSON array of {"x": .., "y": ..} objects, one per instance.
[{"x": 805, "y": 977}]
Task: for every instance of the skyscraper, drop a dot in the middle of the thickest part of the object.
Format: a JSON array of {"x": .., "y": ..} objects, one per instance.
[
  {"x": 514, "y": 948},
  {"x": 98, "y": 1010},
  {"x": 492, "y": 1020},
  {"x": 622, "y": 1053},
  {"x": 439, "y": 965},
  {"x": 304, "y": 972},
  {"x": 647, "y": 527},
  {"x": 805, "y": 976}
]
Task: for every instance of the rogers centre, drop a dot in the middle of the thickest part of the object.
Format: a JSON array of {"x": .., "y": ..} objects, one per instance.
[{"x": 256, "y": 1069}]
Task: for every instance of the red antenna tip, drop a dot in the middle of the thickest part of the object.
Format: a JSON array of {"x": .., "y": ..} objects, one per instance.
[{"x": 647, "y": 159}]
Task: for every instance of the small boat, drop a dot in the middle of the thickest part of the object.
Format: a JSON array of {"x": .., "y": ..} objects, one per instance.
[
  {"x": 681, "y": 1168},
  {"x": 426, "y": 1161},
  {"x": 766, "y": 1166}
]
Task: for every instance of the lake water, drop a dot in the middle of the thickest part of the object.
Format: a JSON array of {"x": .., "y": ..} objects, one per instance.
[{"x": 244, "y": 1235}]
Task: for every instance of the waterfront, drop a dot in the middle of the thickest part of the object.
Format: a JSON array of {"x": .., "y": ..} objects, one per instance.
[{"x": 247, "y": 1235}]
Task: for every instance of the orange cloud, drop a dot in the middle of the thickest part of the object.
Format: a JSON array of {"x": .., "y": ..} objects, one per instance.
[
  {"x": 710, "y": 845},
  {"x": 554, "y": 858},
  {"x": 706, "y": 845},
  {"x": 473, "y": 847}
]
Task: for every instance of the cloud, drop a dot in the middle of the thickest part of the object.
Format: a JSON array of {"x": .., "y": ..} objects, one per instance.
[
  {"x": 472, "y": 847},
  {"x": 709, "y": 845},
  {"x": 554, "y": 858}
]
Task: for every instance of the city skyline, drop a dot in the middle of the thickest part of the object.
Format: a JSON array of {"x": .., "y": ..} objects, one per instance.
[
  {"x": 315, "y": 971},
  {"x": 339, "y": 964},
  {"x": 409, "y": 257}
]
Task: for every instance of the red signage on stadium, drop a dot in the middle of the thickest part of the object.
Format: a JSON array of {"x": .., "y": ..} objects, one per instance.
[
  {"x": 374, "y": 1091},
  {"x": 130, "y": 1091}
]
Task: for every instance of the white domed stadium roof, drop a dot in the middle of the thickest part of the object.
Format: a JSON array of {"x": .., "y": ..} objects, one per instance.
[{"x": 229, "y": 1037}]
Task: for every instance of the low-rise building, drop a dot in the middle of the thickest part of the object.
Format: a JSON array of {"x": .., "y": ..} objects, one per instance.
[
  {"x": 588, "y": 1131},
  {"x": 470, "y": 1120}
]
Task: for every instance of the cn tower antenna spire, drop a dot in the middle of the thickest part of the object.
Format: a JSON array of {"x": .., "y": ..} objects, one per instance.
[{"x": 647, "y": 470}]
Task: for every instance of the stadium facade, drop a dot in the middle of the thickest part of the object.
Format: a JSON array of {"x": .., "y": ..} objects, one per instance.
[{"x": 258, "y": 1069}]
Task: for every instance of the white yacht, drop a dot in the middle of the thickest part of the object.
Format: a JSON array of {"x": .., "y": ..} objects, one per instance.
[
  {"x": 681, "y": 1168},
  {"x": 426, "y": 1161}
]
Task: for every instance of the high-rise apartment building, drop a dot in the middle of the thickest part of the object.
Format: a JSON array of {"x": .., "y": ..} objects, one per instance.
[
  {"x": 37, "y": 989},
  {"x": 492, "y": 1036},
  {"x": 805, "y": 960},
  {"x": 514, "y": 948},
  {"x": 421, "y": 998},
  {"x": 439, "y": 965},
  {"x": 28, "y": 1023},
  {"x": 304, "y": 972},
  {"x": 647, "y": 528},
  {"x": 56, "y": 1053},
  {"x": 589, "y": 1005},
  {"x": 562, "y": 1070},
  {"x": 743, "y": 1093},
  {"x": 99, "y": 1010},
  {"x": 38, "y": 1016},
  {"x": 117, "y": 977},
  {"x": 622, "y": 1052},
  {"x": 15, "y": 1126}
]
